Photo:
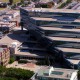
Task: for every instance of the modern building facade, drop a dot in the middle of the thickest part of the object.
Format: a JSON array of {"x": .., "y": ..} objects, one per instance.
[
  {"x": 55, "y": 31},
  {"x": 56, "y": 26}
]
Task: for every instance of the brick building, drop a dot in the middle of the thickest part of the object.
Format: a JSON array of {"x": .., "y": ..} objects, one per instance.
[{"x": 4, "y": 55}]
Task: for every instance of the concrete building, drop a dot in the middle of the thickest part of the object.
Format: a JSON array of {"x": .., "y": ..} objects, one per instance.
[
  {"x": 51, "y": 73},
  {"x": 57, "y": 25},
  {"x": 54, "y": 29},
  {"x": 13, "y": 13},
  {"x": 14, "y": 17},
  {"x": 4, "y": 54},
  {"x": 6, "y": 27}
]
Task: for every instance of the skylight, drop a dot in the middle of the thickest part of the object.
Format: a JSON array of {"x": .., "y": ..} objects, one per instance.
[{"x": 57, "y": 73}]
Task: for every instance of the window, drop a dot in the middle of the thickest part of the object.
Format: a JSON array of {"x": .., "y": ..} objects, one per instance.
[
  {"x": 43, "y": 78},
  {"x": 57, "y": 73}
]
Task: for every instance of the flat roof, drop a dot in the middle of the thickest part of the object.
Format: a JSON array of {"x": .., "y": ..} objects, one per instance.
[
  {"x": 70, "y": 50},
  {"x": 27, "y": 53},
  {"x": 44, "y": 19},
  {"x": 11, "y": 12},
  {"x": 60, "y": 29},
  {"x": 77, "y": 20},
  {"x": 60, "y": 73},
  {"x": 10, "y": 38},
  {"x": 7, "y": 24},
  {"x": 74, "y": 61},
  {"x": 64, "y": 39},
  {"x": 70, "y": 45},
  {"x": 4, "y": 23},
  {"x": 54, "y": 19},
  {"x": 51, "y": 10}
]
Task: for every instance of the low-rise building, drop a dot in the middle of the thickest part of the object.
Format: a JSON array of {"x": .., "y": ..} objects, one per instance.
[
  {"x": 13, "y": 13},
  {"x": 4, "y": 54},
  {"x": 50, "y": 73},
  {"x": 6, "y": 26}
]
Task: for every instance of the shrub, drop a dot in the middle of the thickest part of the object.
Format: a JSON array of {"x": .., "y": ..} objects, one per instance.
[
  {"x": 79, "y": 74},
  {"x": 15, "y": 74},
  {"x": 5, "y": 78},
  {"x": 19, "y": 73},
  {"x": 12, "y": 59},
  {"x": 22, "y": 61},
  {"x": 45, "y": 62}
]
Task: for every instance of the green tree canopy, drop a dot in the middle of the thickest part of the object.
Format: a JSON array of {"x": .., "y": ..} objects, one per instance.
[
  {"x": 14, "y": 73},
  {"x": 11, "y": 2}
]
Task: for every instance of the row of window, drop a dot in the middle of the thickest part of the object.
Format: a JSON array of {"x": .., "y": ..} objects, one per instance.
[
  {"x": 48, "y": 78},
  {"x": 49, "y": 13}
]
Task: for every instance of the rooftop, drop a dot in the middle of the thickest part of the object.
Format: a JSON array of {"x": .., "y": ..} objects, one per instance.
[
  {"x": 55, "y": 19},
  {"x": 10, "y": 38},
  {"x": 68, "y": 22},
  {"x": 52, "y": 10},
  {"x": 69, "y": 50},
  {"x": 54, "y": 28},
  {"x": 3, "y": 47},
  {"x": 43, "y": 19},
  {"x": 38, "y": 54},
  {"x": 19, "y": 38},
  {"x": 74, "y": 61},
  {"x": 56, "y": 73},
  {"x": 65, "y": 39},
  {"x": 6, "y": 24},
  {"x": 1, "y": 50},
  {"x": 12, "y": 12},
  {"x": 70, "y": 45}
]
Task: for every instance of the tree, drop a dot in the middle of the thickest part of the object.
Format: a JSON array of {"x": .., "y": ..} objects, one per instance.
[
  {"x": 12, "y": 59},
  {"x": 79, "y": 74},
  {"x": 22, "y": 1},
  {"x": 11, "y": 2},
  {"x": 15, "y": 74},
  {"x": 2, "y": 71},
  {"x": 19, "y": 73},
  {"x": 50, "y": 4},
  {"x": 22, "y": 61},
  {"x": 5, "y": 78}
]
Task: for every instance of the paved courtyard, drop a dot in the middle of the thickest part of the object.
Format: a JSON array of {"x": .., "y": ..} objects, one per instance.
[{"x": 27, "y": 66}]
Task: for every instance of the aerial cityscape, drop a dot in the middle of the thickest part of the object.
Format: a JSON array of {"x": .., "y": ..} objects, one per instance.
[{"x": 39, "y": 40}]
